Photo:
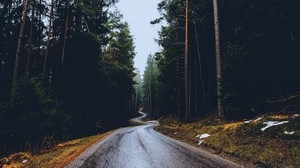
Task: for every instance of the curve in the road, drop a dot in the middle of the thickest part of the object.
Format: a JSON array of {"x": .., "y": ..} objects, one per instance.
[{"x": 142, "y": 147}]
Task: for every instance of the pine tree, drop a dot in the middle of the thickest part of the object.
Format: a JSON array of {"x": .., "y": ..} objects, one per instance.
[
  {"x": 218, "y": 56},
  {"x": 19, "y": 46},
  {"x": 50, "y": 29}
]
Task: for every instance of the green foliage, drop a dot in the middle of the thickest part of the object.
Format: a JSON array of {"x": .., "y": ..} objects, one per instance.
[
  {"x": 151, "y": 88},
  {"x": 138, "y": 87},
  {"x": 171, "y": 61},
  {"x": 33, "y": 114},
  {"x": 259, "y": 50},
  {"x": 259, "y": 56},
  {"x": 79, "y": 94},
  {"x": 235, "y": 82}
]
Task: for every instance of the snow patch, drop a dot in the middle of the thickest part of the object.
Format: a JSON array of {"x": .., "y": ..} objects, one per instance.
[
  {"x": 202, "y": 137},
  {"x": 296, "y": 115},
  {"x": 258, "y": 119},
  {"x": 247, "y": 122},
  {"x": 153, "y": 121},
  {"x": 175, "y": 133},
  {"x": 24, "y": 161},
  {"x": 200, "y": 142},
  {"x": 273, "y": 123},
  {"x": 289, "y": 133}
]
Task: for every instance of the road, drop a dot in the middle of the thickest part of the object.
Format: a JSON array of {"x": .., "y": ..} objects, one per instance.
[{"x": 142, "y": 147}]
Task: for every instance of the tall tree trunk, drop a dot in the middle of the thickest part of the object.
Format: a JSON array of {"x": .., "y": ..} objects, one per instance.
[
  {"x": 19, "y": 46},
  {"x": 48, "y": 43},
  {"x": 218, "y": 56},
  {"x": 195, "y": 87},
  {"x": 29, "y": 52},
  {"x": 200, "y": 69},
  {"x": 179, "y": 91},
  {"x": 150, "y": 98},
  {"x": 136, "y": 103},
  {"x": 190, "y": 88},
  {"x": 65, "y": 32},
  {"x": 186, "y": 65},
  {"x": 148, "y": 102},
  {"x": 40, "y": 38}
]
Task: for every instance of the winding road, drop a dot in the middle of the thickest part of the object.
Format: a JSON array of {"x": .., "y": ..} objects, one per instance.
[{"x": 142, "y": 147}]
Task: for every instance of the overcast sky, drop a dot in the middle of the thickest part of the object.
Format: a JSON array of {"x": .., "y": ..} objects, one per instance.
[{"x": 138, "y": 14}]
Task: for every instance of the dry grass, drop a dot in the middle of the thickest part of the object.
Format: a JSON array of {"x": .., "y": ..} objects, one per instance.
[
  {"x": 271, "y": 148},
  {"x": 232, "y": 126},
  {"x": 58, "y": 157},
  {"x": 281, "y": 117}
]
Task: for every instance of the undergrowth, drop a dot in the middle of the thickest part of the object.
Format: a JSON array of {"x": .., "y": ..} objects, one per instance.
[
  {"x": 246, "y": 141},
  {"x": 59, "y": 156}
]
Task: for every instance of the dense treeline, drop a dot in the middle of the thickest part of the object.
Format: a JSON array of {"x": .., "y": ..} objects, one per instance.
[
  {"x": 66, "y": 70},
  {"x": 260, "y": 58}
]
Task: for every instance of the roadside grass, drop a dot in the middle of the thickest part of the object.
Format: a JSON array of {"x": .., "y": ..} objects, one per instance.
[
  {"x": 133, "y": 123},
  {"x": 245, "y": 141},
  {"x": 58, "y": 157}
]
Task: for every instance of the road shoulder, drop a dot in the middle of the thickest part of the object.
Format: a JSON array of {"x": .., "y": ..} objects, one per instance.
[{"x": 242, "y": 143}]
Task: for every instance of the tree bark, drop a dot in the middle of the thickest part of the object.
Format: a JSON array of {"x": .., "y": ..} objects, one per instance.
[
  {"x": 186, "y": 65},
  {"x": 150, "y": 99},
  {"x": 29, "y": 52},
  {"x": 65, "y": 32},
  {"x": 40, "y": 30},
  {"x": 200, "y": 70},
  {"x": 179, "y": 91},
  {"x": 19, "y": 45},
  {"x": 48, "y": 44},
  {"x": 218, "y": 56}
]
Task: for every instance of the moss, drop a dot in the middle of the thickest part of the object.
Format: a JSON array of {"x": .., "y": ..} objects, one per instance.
[{"x": 244, "y": 141}]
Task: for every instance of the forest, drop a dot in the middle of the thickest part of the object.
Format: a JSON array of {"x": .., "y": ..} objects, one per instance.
[
  {"x": 251, "y": 68},
  {"x": 64, "y": 66}
]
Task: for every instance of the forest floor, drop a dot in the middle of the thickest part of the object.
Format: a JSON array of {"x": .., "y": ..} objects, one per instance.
[
  {"x": 257, "y": 142},
  {"x": 57, "y": 157},
  {"x": 267, "y": 141}
]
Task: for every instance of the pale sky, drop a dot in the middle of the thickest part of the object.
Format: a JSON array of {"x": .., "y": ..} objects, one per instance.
[{"x": 138, "y": 14}]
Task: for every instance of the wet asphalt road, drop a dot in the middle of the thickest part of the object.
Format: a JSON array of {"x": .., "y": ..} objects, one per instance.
[{"x": 142, "y": 147}]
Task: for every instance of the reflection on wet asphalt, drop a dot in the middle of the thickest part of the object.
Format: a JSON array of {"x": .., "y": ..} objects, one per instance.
[{"x": 142, "y": 147}]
